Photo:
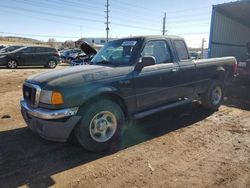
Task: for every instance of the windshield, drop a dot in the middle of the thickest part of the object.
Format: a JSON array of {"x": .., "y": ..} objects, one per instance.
[
  {"x": 117, "y": 53},
  {"x": 11, "y": 48}
]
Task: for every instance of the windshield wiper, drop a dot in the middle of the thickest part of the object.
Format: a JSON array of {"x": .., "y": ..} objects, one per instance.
[{"x": 103, "y": 62}]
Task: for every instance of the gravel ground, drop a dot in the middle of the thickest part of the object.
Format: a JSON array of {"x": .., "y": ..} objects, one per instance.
[{"x": 182, "y": 147}]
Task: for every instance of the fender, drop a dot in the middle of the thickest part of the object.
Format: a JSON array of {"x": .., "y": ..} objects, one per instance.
[{"x": 102, "y": 90}]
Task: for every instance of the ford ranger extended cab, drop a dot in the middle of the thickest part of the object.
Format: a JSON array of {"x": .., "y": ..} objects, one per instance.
[{"x": 130, "y": 77}]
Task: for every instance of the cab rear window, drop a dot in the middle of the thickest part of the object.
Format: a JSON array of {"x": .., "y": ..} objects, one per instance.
[{"x": 181, "y": 49}]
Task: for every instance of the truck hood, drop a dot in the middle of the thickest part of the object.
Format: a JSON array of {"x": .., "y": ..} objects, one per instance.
[
  {"x": 87, "y": 49},
  {"x": 76, "y": 76}
]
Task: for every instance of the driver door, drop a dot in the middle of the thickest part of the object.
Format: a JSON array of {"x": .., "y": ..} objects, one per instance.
[{"x": 156, "y": 84}]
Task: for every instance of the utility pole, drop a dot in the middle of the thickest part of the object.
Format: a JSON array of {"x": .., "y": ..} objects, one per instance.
[
  {"x": 107, "y": 20},
  {"x": 202, "y": 47},
  {"x": 164, "y": 24}
]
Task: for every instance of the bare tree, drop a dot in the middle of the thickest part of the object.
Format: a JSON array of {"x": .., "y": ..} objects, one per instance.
[
  {"x": 51, "y": 42},
  {"x": 68, "y": 44}
]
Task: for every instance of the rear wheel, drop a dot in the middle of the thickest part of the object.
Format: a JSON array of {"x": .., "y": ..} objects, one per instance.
[
  {"x": 52, "y": 64},
  {"x": 213, "y": 98},
  {"x": 100, "y": 126},
  {"x": 12, "y": 64}
]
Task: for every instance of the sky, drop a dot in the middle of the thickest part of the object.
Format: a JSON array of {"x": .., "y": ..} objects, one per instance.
[{"x": 73, "y": 19}]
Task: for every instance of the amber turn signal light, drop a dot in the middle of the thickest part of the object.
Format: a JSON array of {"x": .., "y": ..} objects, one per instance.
[{"x": 56, "y": 98}]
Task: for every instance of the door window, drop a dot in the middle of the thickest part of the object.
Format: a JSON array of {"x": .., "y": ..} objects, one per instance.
[
  {"x": 158, "y": 49},
  {"x": 29, "y": 50}
]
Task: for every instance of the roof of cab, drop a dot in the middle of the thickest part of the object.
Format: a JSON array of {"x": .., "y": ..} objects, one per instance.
[{"x": 148, "y": 37}]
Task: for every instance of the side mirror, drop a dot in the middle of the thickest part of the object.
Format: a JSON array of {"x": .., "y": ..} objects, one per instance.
[{"x": 145, "y": 61}]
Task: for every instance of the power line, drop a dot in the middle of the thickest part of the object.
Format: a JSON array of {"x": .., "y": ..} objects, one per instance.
[
  {"x": 52, "y": 14},
  {"x": 137, "y": 27},
  {"x": 196, "y": 33},
  {"x": 56, "y": 6},
  {"x": 134, "y": 5},
  {"x": 61, "y": 36},
  {"x": 76, "y": 8},
  {"x": 37, "y": 35},
  {"x": 36, "y": 17},
  {"x": 95, "y": 13},
  {"x": 88, "y": 19},
  {"x": 158, "y": 10},
  {"x": 53, "y": 7},
  {"x": 82, "y": 4},
  {"x": 74, "y": 17},
  {"x": 190, "y": 10}
]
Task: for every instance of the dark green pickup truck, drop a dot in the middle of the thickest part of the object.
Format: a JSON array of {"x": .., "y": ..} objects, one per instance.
[{"x": 130, "y": 77}]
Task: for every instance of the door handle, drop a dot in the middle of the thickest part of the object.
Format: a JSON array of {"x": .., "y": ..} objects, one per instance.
[
  {"x": 174, "y": 70},
  {"x": 124, "y": 82}
]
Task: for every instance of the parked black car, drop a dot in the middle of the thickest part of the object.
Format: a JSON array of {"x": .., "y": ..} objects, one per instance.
[{"x": 30, "y": 56}]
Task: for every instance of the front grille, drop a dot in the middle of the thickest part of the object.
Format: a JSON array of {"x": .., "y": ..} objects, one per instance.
[{"x": 31, "y": 94}]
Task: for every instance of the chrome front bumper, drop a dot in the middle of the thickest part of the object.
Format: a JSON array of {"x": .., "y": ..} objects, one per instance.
[
  {"x": 48, "y": 114},
  {"x": 55, "y": 125}
]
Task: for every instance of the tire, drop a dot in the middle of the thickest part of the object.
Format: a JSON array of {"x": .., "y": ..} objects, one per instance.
[
  {"x": 100, "y": 126},
  {"x": 51, "y": 64},
  {"x": 213, "y": 98},
  {"x": 12, "y": 64}
]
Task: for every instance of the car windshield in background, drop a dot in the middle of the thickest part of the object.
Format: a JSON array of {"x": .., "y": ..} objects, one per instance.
[
  {"x": 11, "y": 48},
  {"x": 116, "y": 53}
]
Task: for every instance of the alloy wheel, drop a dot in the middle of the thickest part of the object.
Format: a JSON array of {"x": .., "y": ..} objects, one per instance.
[
  {"x": 103, "y": 126},
  {"x": 12, "y": 64}
]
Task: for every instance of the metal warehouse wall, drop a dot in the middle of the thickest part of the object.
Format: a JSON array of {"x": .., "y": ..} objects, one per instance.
[{"x": 228, "y": 37}]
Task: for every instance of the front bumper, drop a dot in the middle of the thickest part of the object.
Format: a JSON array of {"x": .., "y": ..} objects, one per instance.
[{"x": 55, "y": 125}]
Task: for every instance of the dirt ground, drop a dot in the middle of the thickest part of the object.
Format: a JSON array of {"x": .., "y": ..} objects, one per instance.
[{"x": 183, "y": 147}]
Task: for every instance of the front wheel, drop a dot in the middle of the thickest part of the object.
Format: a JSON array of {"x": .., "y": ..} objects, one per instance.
[
  {"x": 52, "y": 64},
  {"x": 213, "y": 98},
  {"x": 100, "y": 126},
  {"x": 12, "y": 64}
]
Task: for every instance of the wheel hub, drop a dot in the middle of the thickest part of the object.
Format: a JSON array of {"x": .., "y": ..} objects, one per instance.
[
  {"x": 12, "y": 64},
  {"x": 51, "y": 63},
  {"x": 103, "y": 126}
]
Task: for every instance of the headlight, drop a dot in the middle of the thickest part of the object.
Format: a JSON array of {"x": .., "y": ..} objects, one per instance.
[
  {"x": 45, "y": 96},
  {"x": 51, "y": 97},
  {"x": 2, "y": 56}
]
